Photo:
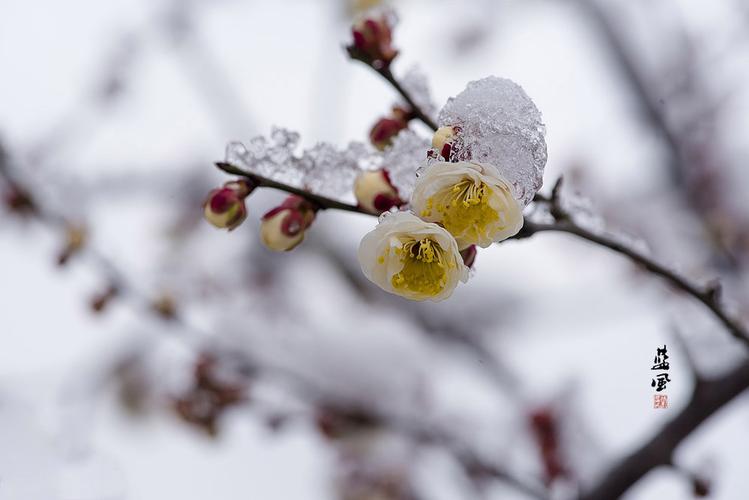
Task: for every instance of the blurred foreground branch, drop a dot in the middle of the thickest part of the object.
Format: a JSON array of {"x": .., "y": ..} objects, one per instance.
[
  {"x": 696, "y": 165},
  {"x": 415, "y": 430}
]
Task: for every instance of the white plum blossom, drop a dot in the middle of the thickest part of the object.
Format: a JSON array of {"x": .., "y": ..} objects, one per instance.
[
  {"x": 407, "y": 256},
  {"x": 471, "y": 200},
  {"x": 467, "y": 186}
]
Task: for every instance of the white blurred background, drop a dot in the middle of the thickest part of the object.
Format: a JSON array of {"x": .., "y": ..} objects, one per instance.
[{"x": 113, "y": 112}]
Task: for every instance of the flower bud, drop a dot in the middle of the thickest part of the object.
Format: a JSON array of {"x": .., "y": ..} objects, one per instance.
[
  {"x": 75, "y": 239},
  {"x": 372, "y": 41},
  {"x": 444, "y": 140},
  {"x": 225, "y": 206},
  {"x": 384, "y": 131},
  {"x": 165, "y": 306},
  {"x": 19, "y": 201},
  {"x": 283, "y": 228},
  {"x": 469, "y": 256},
  {"x": 375, "y": 193}
]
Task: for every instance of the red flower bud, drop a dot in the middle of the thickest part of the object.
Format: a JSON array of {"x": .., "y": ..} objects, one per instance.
[
  {"x": 19, "y": 201},
  {"x": 282, "y": 228},
  {"x": 165, "y": 306},
  {"x": 384, "y": 131},
  {"x": 372, "y": 42},
  {"x": 225, "y": 207},
  {"x": 102, "y": 299},
  {"x": 545, "y": 426}
]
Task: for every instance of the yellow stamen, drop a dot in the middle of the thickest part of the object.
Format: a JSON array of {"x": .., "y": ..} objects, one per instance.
[
  {"x": 424, "y": 268},
  {"x": 465, "y": 211}
]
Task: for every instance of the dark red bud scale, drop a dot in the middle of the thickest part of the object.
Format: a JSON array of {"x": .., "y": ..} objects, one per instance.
[
  {"x": 469, "y": 255},
  {"x": 383, "y": 202},
  {"x": 222, "y": 200}
]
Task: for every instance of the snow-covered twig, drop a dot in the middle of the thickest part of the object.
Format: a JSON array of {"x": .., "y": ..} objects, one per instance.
[
  {"x": 415, "y": 109},
  {"x": 708, "y": 295}
]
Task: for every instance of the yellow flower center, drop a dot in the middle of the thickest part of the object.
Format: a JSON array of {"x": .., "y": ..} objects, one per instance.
[
  {"x": 424, "y": 268},
  {"x": 464, "y": 209}
]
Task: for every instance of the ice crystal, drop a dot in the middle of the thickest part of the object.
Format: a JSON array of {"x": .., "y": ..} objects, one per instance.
[
  {"x": 403, "y": 159},
  {"x": 501, "y": 125},
  {"x": 322, "y": 169},
  {"x": 416, "y": 84}
]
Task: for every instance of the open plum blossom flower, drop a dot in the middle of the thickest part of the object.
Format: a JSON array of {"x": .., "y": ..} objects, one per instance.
[
  {"x": 471, "y": 200},
  {"x": 417, "y": 260}
]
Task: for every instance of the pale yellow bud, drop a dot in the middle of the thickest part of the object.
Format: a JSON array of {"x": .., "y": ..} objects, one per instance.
[
  {"x": 283, "y": 227},
  {"x": 442, "y": 137},
  {"x": 375, "y": 193}
]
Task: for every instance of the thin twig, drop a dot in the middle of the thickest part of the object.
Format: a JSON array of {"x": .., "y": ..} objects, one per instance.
[
  {"x": 704, "y": 295},
  {"x": 321, "y": 202},
  {"x": 412, "y": 428},
  {"x": 415, "y": 109},
  {"x": 707, "y": 295},
  {"x": 683, "y": 167},
  {"x": 384, "y": 71},
  {"x": 99, "y": 262}
]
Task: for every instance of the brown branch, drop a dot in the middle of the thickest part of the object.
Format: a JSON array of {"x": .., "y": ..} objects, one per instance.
[
  {"x": 321, "y": 202},
  {"x": 111, "y": 273},
  {"x": 707, "y": 295},
  {"x": 695, "y": 177},
  {"x": 707, "y": 398},
  {"x": 414, "y": 429},
  {"x": 473, "y": 465},
  {"x": 384, "y": 72},
  {"x": 649, "y": 102},
  {"x": 415, "y": 109},
  {"x": 703, "y": 294}
]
